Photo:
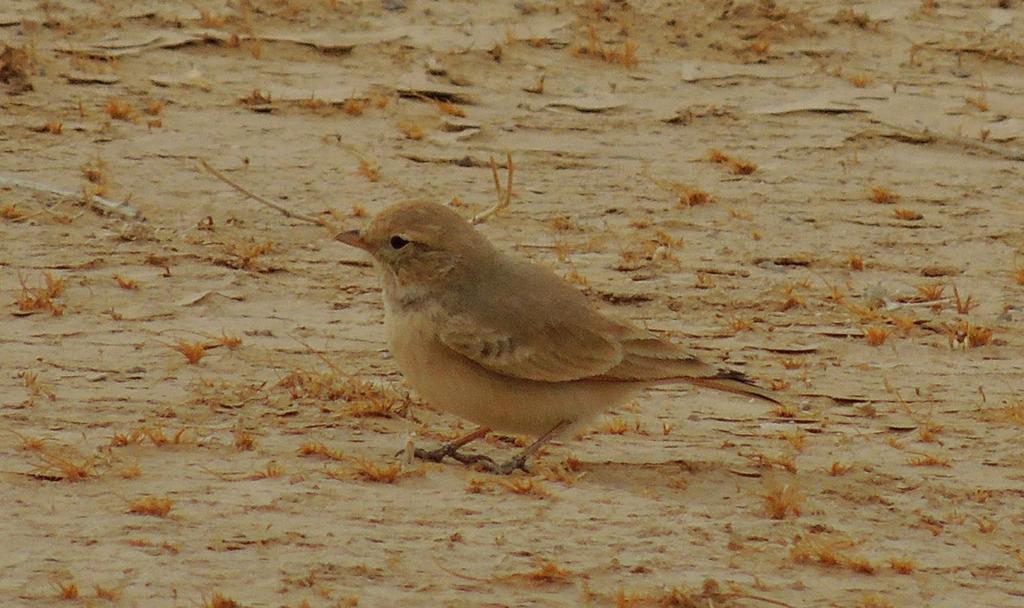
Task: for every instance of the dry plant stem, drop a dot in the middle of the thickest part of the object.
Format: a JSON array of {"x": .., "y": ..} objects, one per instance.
[
  {"x": 319, "y": 355},
  {"x": 925, "y": 136},
  {"x": 279, "y": 208},
  {"x": 759, "y": 598},
  {"x": 98, "y": 202},
  {"x": 504, "y": 199}
]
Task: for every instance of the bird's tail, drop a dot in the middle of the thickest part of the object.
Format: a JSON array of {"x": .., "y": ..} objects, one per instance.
[{"x": 735, "y": 382}]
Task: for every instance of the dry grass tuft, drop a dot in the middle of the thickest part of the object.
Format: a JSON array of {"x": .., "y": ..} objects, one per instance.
[
  {"x": 524, "y": 486},
  {"x": 791, "y": 299},
  {"x": 963, "y": 305},
  {"x": 41, "y": 298},
  {"x": 782, "y": 410},
  {"x": 737, "y": 325},
  {"x": 907, "y": 214},
  {"x": 16, "y": 65},
  {"x": 710, "y": 595},
  {"x": 547, "y": 573},
  {"x": 737, "y": 166},
  {"x": 30, "y": 444},
  {"x": 876, "y": 336},
  {"x": 838, "y": 469},
  {"x": 848, "y": 16},
  {"x": 67, "y": 591},
  {"x": 130, "y": 472},
  {"x": 245, "y": 254},
  {"x": 479, "y": 485},
  {"x": 883, "y": 196},
  {"x": 860, "y": 80},
  {"x": 930, "y": 292},
  {"x": 781, "y": 500},
  {"x": 155, "y": 435},
  {"x": 119, "y": 440},
  {"x": 704, "y": 281},
  {"x": 830, "y": 553},
  {"x": 965, "y": 335},
  {"x": 53, "y": 127},
  {"x": 368, "y": 471},
  {"x": 614, "y": 426},
  {"x": 155, "y": 107},
  {"x": 929, "y": 430},
  {"x": 353, "y": 106},
  {"x": 107, "y": 593},
  {"x": 446, "y": 107},
  {"x": 561, "y": 473},
  {"x": 873, "y": 600},
  {"x": 411, "y": 130},
  {"x": 904, "y": 323},
  {"x": 377, "y": 473},
  {"x": 35, "y": 388},
  {"x": 902, "y": 565},
  {"x": 797, "y": 439},
  {"x": 315, "y": 448},
  {"x": 124, "y": 283},
  {"x": 271, "y": 471},
  {"x": 155, "y": 507},
  {"x": 624, "y": 56},
  {"x": 369, "y": 169},
  {"x": 11, "y": 212},
  {"x": 243, "y": 439},
  {"x": 220, "y": 601},
  {"x": 119, "y": 109},
  {"x": 686, "y": 195},
  {"x": 1011, "y": 412},
  {"x": 313, "y": 103},
  {"x": 363, "y": 399},
  {"x": 928, "y": 460},
  {"x": 58, "y": 467}
]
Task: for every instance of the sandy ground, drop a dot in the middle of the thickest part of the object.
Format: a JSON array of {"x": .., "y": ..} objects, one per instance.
[{"x": 870, "y": 165}]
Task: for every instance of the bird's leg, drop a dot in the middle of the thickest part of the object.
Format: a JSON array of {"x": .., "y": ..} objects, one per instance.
[
  {"x": 519, "y": 461},
  {"x": 451, "y": 449}
]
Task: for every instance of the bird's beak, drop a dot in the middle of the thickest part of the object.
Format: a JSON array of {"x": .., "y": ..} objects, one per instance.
[{"x": 352, "y": 238}]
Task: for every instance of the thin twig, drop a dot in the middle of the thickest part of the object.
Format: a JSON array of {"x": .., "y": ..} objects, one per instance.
[
  {"x": 103, "y": 204},
  {"x": 497, "y": 184},
  {"x": 759, "y": 598},
  {"x": 256, "y": 197},
  {"x": 925, "y": 136},
  {"x": 319, "y": 355},
  {"x": 508, "y": 185},
  {"x": 504, "y": 198}
]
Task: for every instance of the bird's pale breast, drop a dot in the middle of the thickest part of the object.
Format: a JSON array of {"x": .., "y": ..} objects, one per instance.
[{"x": 453, "y": 383}]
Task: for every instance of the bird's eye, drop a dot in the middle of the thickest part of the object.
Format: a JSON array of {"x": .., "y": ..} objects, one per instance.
[{"x": 398, "y": 242}]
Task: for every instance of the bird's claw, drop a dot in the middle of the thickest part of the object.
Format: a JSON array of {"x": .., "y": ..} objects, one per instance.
[
  {"x": 484, "y": 462},
  {"x": 471, "y": 459},
  {"x": 508, "y": 467},
  {"x": 446, "y": 450},
  {"x": 436, "y": 455}
]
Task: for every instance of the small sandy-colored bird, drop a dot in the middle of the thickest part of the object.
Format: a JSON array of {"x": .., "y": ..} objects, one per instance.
[{"x": 505, "y": 343}]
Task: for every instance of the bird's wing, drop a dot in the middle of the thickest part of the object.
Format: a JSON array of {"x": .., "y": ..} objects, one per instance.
[
  {"x": 527, "y": 322},
  {"x": 555, "y": 349},
  {"x": 648, "y": 358}
]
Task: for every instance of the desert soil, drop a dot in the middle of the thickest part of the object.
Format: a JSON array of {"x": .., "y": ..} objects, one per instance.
[{"x": 827, "y": 196}]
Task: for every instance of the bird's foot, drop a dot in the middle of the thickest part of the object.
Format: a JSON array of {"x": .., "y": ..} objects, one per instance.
[
  {"x": 518, "y": 463},
  {"x": 447, "y": 450}
]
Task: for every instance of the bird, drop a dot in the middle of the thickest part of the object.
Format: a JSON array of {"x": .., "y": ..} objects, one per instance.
[{"x": 508, "y": 344}]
